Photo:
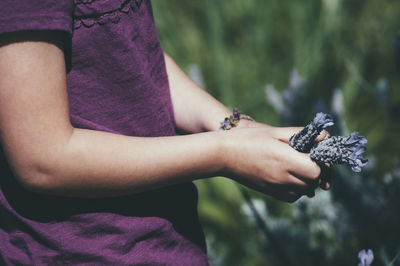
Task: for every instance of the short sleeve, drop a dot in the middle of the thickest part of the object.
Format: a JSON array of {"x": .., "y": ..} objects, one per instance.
[
  {"x": 36, "y": 15},
  {"x": 17, "y": 16}
]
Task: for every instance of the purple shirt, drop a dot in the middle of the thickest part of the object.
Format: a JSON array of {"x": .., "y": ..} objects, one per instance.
[{"x": 117, "y": 83}]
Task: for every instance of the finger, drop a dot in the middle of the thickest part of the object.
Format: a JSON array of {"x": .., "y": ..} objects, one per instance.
[
  {"x": 297, "y": 163},
  {"x": 308, "y": 190},
  {"x": 289, "y": 197},
  {"x": 297, "y": 181},
  {"x": 327, "y": 186},
  {"x": 301, "y": 165},
  {"x": 306, "y": 184},
  {"x": 297, "y": 186},
  {"x": 325, "y": 177},
  {"x": 324, "y": 134},
  {"x": 284, "y": 193},
  {"x": 311, "y": 194}
]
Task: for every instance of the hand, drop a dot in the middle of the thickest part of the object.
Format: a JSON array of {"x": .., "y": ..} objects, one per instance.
[
  {"x": 259, "y": 157},
  {"x": 284, "y": 134}
]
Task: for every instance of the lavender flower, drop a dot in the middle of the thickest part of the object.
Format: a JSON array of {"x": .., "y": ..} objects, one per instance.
[
  {"x": 337, "y": 102},
  {"x": 295, "y": 80},
  {"x": 304, "y": 140},
  {"x": 196, "y": 75},
  {"x": 339, "y": 150},
  {"x": 366, "y": 257},
  {"x": 274, "y": 98}
]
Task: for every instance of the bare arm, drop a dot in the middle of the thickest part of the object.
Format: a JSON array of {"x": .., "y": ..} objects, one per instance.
[
  {"x": 195, "y": 110},
  {"x": 49, "y": 156}
]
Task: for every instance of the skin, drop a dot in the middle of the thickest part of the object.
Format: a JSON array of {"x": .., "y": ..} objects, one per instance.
[{"x": 49, "y": 156}]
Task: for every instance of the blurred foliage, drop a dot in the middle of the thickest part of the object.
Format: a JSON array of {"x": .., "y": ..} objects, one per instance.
[{"x": 340, "y": 57}]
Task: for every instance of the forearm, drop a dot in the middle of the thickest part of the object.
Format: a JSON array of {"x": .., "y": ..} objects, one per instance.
[
  {"x": 98, "y": 164},
  {"x": 195, "y": 110}
]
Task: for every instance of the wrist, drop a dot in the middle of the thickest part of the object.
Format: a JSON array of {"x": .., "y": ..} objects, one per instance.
[
  {"x": 243, "y": 123},
  {"x": 212, "y": 149},
  {"x": 226, "y": 153}
]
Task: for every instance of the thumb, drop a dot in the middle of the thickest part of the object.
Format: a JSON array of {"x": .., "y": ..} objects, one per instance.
[{"x": 322, "y": 135}]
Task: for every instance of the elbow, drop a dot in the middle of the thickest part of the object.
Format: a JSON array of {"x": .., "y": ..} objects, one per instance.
[
  {"x": 34, "y": 178},
  {"x": 35, "y": 173},
  {"x": 38, "y": 163},
  {"x": 45, "y": 171}
]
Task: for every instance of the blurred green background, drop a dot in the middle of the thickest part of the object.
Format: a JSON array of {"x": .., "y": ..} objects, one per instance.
[{"x": 281, "y": 62}]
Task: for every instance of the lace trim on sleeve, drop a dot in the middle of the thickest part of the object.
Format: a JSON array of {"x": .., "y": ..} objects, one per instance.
[{"x": 112, "y": 16}]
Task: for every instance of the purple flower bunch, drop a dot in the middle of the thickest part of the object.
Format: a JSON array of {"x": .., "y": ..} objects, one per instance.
[
  {"x": 333, "y": 149},
  {"x": 340, "y": 149},
  {"x": 303, "y": 141}
]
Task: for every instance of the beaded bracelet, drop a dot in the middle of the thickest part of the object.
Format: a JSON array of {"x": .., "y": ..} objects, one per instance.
[{"x": 233, "y": 120}]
